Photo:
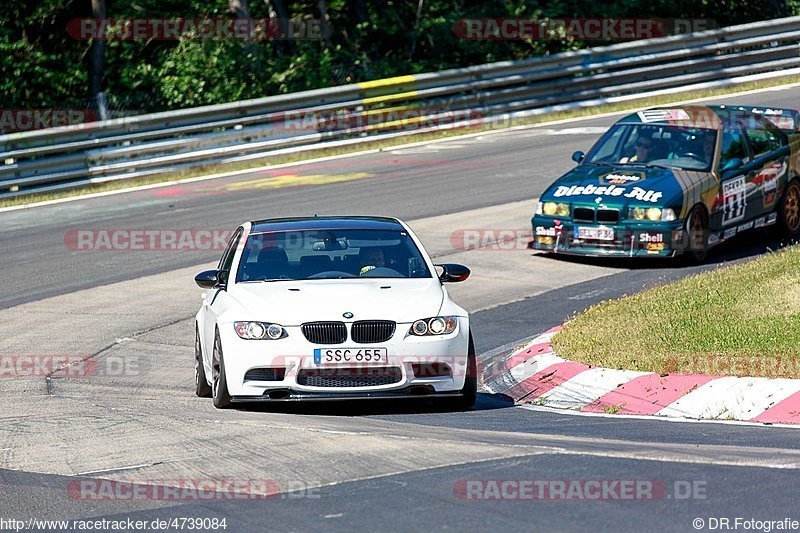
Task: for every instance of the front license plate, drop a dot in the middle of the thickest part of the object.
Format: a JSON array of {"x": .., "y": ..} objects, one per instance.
[
  {"x": 596, "y": 234},
  {"x": 335, "y": 356}
]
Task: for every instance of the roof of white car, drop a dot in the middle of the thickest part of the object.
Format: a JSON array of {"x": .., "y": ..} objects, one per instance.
[{"x": 325, "y": 223}]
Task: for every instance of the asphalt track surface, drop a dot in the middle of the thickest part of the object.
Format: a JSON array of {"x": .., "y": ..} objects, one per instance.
[{"x": 350, "y": 466}]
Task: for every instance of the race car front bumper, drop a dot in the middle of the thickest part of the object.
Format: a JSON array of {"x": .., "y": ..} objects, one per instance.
[{"x": 626, "y": 239}]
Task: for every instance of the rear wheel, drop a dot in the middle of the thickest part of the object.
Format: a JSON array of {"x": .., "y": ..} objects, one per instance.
[
  {"x": 697, "y": 233},
  {"x": 469, "y": 392},
  {"x": 789, "y": 211},
  {"x": 201, "y": 386},
  {"x": 222, "y": 398}
]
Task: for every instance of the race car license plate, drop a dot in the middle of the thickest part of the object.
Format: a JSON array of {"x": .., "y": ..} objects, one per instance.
[
  {"x": 335, "y": 356},
  {"x": 597, "y": 234}
]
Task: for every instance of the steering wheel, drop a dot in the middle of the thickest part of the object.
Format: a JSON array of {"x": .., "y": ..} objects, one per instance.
[{"x": 692, "y": 155}]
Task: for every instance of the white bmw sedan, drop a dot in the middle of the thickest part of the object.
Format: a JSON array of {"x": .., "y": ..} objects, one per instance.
[{"x": 324, "y": 308}]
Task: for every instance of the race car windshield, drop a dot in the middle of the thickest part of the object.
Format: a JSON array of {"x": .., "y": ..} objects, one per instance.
[
  {"x": 656, "y": 146},
  {"x": 330, "y": 254}
]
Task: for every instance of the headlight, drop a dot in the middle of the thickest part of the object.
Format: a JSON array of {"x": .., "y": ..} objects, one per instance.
[
  {"x": 438, "y": 325},
  {"x": 653, "y": 214},
  {"x": 552, "y": 208},
  {"x": 259, "y": 330}
]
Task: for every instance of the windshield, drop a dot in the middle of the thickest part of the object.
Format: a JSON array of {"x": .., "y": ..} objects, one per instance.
[
  {"x": 330, "y": 254},
  {"x": 655, "y": 145}
]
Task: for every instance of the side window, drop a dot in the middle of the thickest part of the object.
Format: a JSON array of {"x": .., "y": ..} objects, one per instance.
[
  {"x": 225, "y": 263},
  {"x": 762, "y": 141},
  {"x": 734, "y": 146}
]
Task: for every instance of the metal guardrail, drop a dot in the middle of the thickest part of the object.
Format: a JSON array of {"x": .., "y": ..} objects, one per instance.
[{"x": 71, "y": 156}]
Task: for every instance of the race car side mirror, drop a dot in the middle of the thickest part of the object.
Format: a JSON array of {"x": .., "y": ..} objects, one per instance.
[
  {"x": 453, "y": 273},
  {"x": 732, "y": 164},
  {"x": 578, "y": 156},
  {"x": 207, "y": 279}
]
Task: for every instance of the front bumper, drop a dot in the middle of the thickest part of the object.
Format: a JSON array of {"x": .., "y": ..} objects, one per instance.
[
  {"x": 290, "y": 395},
  {"x": 630, "y": 239},
  {"x": 295, "y": 355}
]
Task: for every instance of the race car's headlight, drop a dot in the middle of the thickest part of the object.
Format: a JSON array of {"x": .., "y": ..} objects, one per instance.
[
  {"x": 636, "y": 213},
  {"x": 654, "y": 214},
  {"x": 667, "y": 215},
  {"x": 438, "y": 325},
  {"x": 259, "y": 330},
  {"x": 552, "y": 208}
]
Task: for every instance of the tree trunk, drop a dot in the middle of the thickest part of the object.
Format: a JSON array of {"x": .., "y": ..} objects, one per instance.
[
  {"x": 278, "y": 10},
  {"x": 97, "y": 64}
]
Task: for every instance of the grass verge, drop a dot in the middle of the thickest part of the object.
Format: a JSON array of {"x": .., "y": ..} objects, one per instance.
[
  {"x": 305, "y": 155},
  {"x": 742, "y": 320}
]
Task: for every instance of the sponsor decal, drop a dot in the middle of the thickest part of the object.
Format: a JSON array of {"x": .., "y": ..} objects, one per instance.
[
  {"x": 714, "y": 238},
  {"x": 651, "y": 237},
  {"x": 637, "y": 193},
  {"x": 760, "y": 222},
  {"x": 772, "y": 218},
  {"x": 734, "y": 199},
  {"x": 661, "y": 115},
  {"x": 729, "y": 233},
  {"x": 769, "y": 177},
  {"x": 545, "y": 232},
  {"x": 744, "y": 227},
  {"x": 617, "y": 178}
]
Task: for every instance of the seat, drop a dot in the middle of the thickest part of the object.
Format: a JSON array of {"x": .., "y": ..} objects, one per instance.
[
  {"x": 314, "y": 264},
  {"x": 270, "y": 264}
]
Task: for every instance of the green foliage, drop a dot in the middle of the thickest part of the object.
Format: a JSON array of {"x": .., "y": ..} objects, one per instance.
[{"x": 42, "y": 66}]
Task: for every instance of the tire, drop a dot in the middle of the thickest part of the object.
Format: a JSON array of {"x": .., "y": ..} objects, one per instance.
[
  {"x": 469, "y": 393},
  {"x": 789, "y": 211},
  {"x": 697, "y": 233},
  {"x": 219, "y": 390},
  {"x": 201, "y": 386}
]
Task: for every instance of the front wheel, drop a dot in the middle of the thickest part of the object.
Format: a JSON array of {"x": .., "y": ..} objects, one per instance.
[
  {"x": 220, "y": 394},
  {"x": 469, "y": 392},
  {"x": 697, "y": 233},
  {"x": 789, "y": 211},
  {"x": 201, "y": 386}
]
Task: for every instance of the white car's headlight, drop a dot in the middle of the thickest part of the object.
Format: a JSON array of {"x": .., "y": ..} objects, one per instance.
[
  {"x": 438, "y": 325},
  {"x": 259, "y": 330}
]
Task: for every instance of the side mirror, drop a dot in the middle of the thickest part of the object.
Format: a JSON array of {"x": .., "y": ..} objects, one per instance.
[
  {"x": 452, "y": 273},
  {"x": 578, "y": 156},
  {"x": 732, "y": 163},
  {"x": 207, "y": 279}
]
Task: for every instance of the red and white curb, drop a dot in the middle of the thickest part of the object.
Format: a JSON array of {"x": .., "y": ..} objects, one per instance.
[{"x": 535, "y": 374}]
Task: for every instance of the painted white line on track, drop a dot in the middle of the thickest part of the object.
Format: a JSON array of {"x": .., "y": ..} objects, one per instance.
[{"x": 777, "y": 88}]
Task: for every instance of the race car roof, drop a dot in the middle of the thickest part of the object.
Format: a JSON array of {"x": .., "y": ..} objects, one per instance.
[
  {"x": 714, "y": 117},
  {"x": 325, "y": 223}
]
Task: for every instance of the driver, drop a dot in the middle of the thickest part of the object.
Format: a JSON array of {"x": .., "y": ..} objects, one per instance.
[
  {"x": 371, "y": 259},
  {"x": 644, "y": 147}
]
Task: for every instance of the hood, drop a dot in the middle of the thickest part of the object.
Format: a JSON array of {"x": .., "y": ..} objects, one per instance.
[
  {"x": 616, "y": 186},
  {"x": 291, "y": 303}
]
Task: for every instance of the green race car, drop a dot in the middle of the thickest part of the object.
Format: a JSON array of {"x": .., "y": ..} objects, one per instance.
[{"x": 676, "y": 180}]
